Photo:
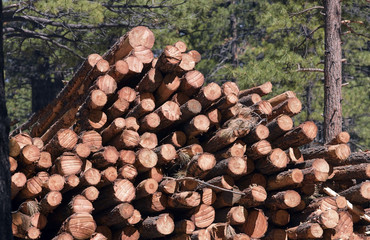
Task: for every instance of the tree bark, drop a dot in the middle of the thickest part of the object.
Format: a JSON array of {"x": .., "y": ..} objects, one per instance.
[
  {"x": 332, "y": 70},
  {"x": 5, "y": 205}
]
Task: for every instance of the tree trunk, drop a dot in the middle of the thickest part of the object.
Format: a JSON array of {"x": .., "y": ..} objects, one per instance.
[
  {"x": 332, "y": 70},
  {"x": 5, "y": 207}
]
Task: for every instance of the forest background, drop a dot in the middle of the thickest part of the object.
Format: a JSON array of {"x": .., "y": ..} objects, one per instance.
[{"x": 249, "y": 42}]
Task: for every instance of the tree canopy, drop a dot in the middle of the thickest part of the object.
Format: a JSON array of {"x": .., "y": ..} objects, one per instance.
[{"x": 249, "y": 42}]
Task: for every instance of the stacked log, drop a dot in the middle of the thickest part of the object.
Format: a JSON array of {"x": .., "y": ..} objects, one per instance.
[{"x": 145, "y": 150}]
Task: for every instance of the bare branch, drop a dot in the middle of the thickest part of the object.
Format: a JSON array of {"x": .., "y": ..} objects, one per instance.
[
  {"x": 306, "y": 10},
  {"x": 204, "y": 183},
  {"x": 309, "y": 69}
]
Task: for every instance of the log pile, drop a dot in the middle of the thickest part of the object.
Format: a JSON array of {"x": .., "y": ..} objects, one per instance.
[{"x": 137, "y": 147}]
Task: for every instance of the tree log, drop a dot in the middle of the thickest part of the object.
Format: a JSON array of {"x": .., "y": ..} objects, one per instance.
[
  {"x": 259, "y": 226},
  {"x": 158, "y": 226},
  {"x": 261, "y": 90}
]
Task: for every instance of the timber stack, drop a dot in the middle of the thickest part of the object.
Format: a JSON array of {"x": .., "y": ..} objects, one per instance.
[{"x": 137, "y": 147}]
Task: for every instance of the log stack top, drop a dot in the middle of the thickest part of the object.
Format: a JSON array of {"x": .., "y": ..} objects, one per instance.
[{"x": 138, "y": 146}]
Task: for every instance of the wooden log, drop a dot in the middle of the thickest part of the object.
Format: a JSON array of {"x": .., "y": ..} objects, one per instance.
[
  {"x": 262, "y": 108},
  {"x": 127, "y": 171},
  {"x": 64, "y": 140},
  {"x": 196, "y": 55},
  {"x": 333, "y": 154},
  {"x": 31, "y": 189},
  {"x": 236, "y": 150},
  {"x": 168, "y": 186},
  {"x": 220, "y": 231},
  {"x": 144, "y": 104},
  {"x": 341, "y": 138},
  {"x": 22, "y": 140},
  {"x": 22, "y": 226},
  {"x": 122, "y": 190},
  {"x": 298, "y": 136},
  {"x": 128, "y": 139},
  {"x": 200, "y": 165},
  {"x": 168, "y": 113},
  {"x": 79, "y": 225},
  {"x": 176, "y": 138},
  {"x": 148, "y": 140},
  {"x": 166, "y": 154},
  {"x": 71, "y": 182},
  {"x": 150, "y": 82},
  {"x": 208, "y": 196},
  {"x": 93, "y": 139},
  {"x": 144, "y": 54},
  {"x": 96, "y": 120},
  {"x": 250, "y": 99},
  {"x": 279, "y": 217},
  {"x": 156, "y": 202},
  {"x": 96, "y": 99},
  {"x": 276, "y": 100},
  {"x": 233, "y": 215},
  {"x": 259, "y": 226},
  {"x": 169, "y": 59},
  {"x": 214, "y": 117},
  {"x": 305, "y": 231},
  {"x": 358, "y": 157},
  {"x": 290, "y": 107},
  {"x": 234, "y": 166},
  {"x": 119, "y": 108},
  {"x": 237, "y": 128},
  {"x": 14, "y": 147},
  {"x": 180, "y": 98},
  {"x": 127, "y": 233},
  {"x": 227, "y": 199},
  {"x": 157, "y": 226},
  {"x": 343, "y": 230},
  {"x": 208, "y": 95},
  {"x": 360, "y": 171},
  {"x": 90, "y": 193},
  {"x": 276, "y": 161},
  {"x": 38, "y": 143},
  {"x": 294, "y": 155},
  {"x": 145, "y": 159},
  {"x": 184, "y": 226},
  {"x": 279, "y": 126},
  {"x": 29, "y": 154},
  {"x": 63, "y": 236},
  {"x": 138, "y": 36},
  {"x": 184, "y": 200},
  {"x": 126, "y": 157},
  {"x": 146, "y": 188},
  {"x": 358, "y": 194},
  {"x": 68, "y": 164},
  {"x": 149, "y": 122},
  {"x": 325, "y": 203},
  {"x": 116, "y": 215},
  {"x": 18, "y": 181},
  {"x": 13, "y": 164},
  {"x": 105, "y": 157},
  {"x": 186, "y": 64},
  {"x": 116, "y": 127},
  {"x": 261, "y": 90},
  {"x": 225, "y": 102},
  {"x": 254, "y": 195},
  {"x": 119, "y": 70},
  {"x": 258, "y": 133},
  {"x": 315, "y": 170},
  {"x": 259, "y": 150},
  {"x": 289, "y": 178},
  {"x": 202, "y": 216},
  {"x": 49, "y": 202},
  {"x": 132, "y": 124},
  {"x": 283, "y": 200},
  {"x": 171, "y": 82},
  {"x": 191, "y": 83},
  {"x": 327, "y": 219},
  {"x": 54, "y": 183},
  {"x": 252, "y": 179},
  {"x": 224, "y": 181},
  {"x": 90, "y": 177}
]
